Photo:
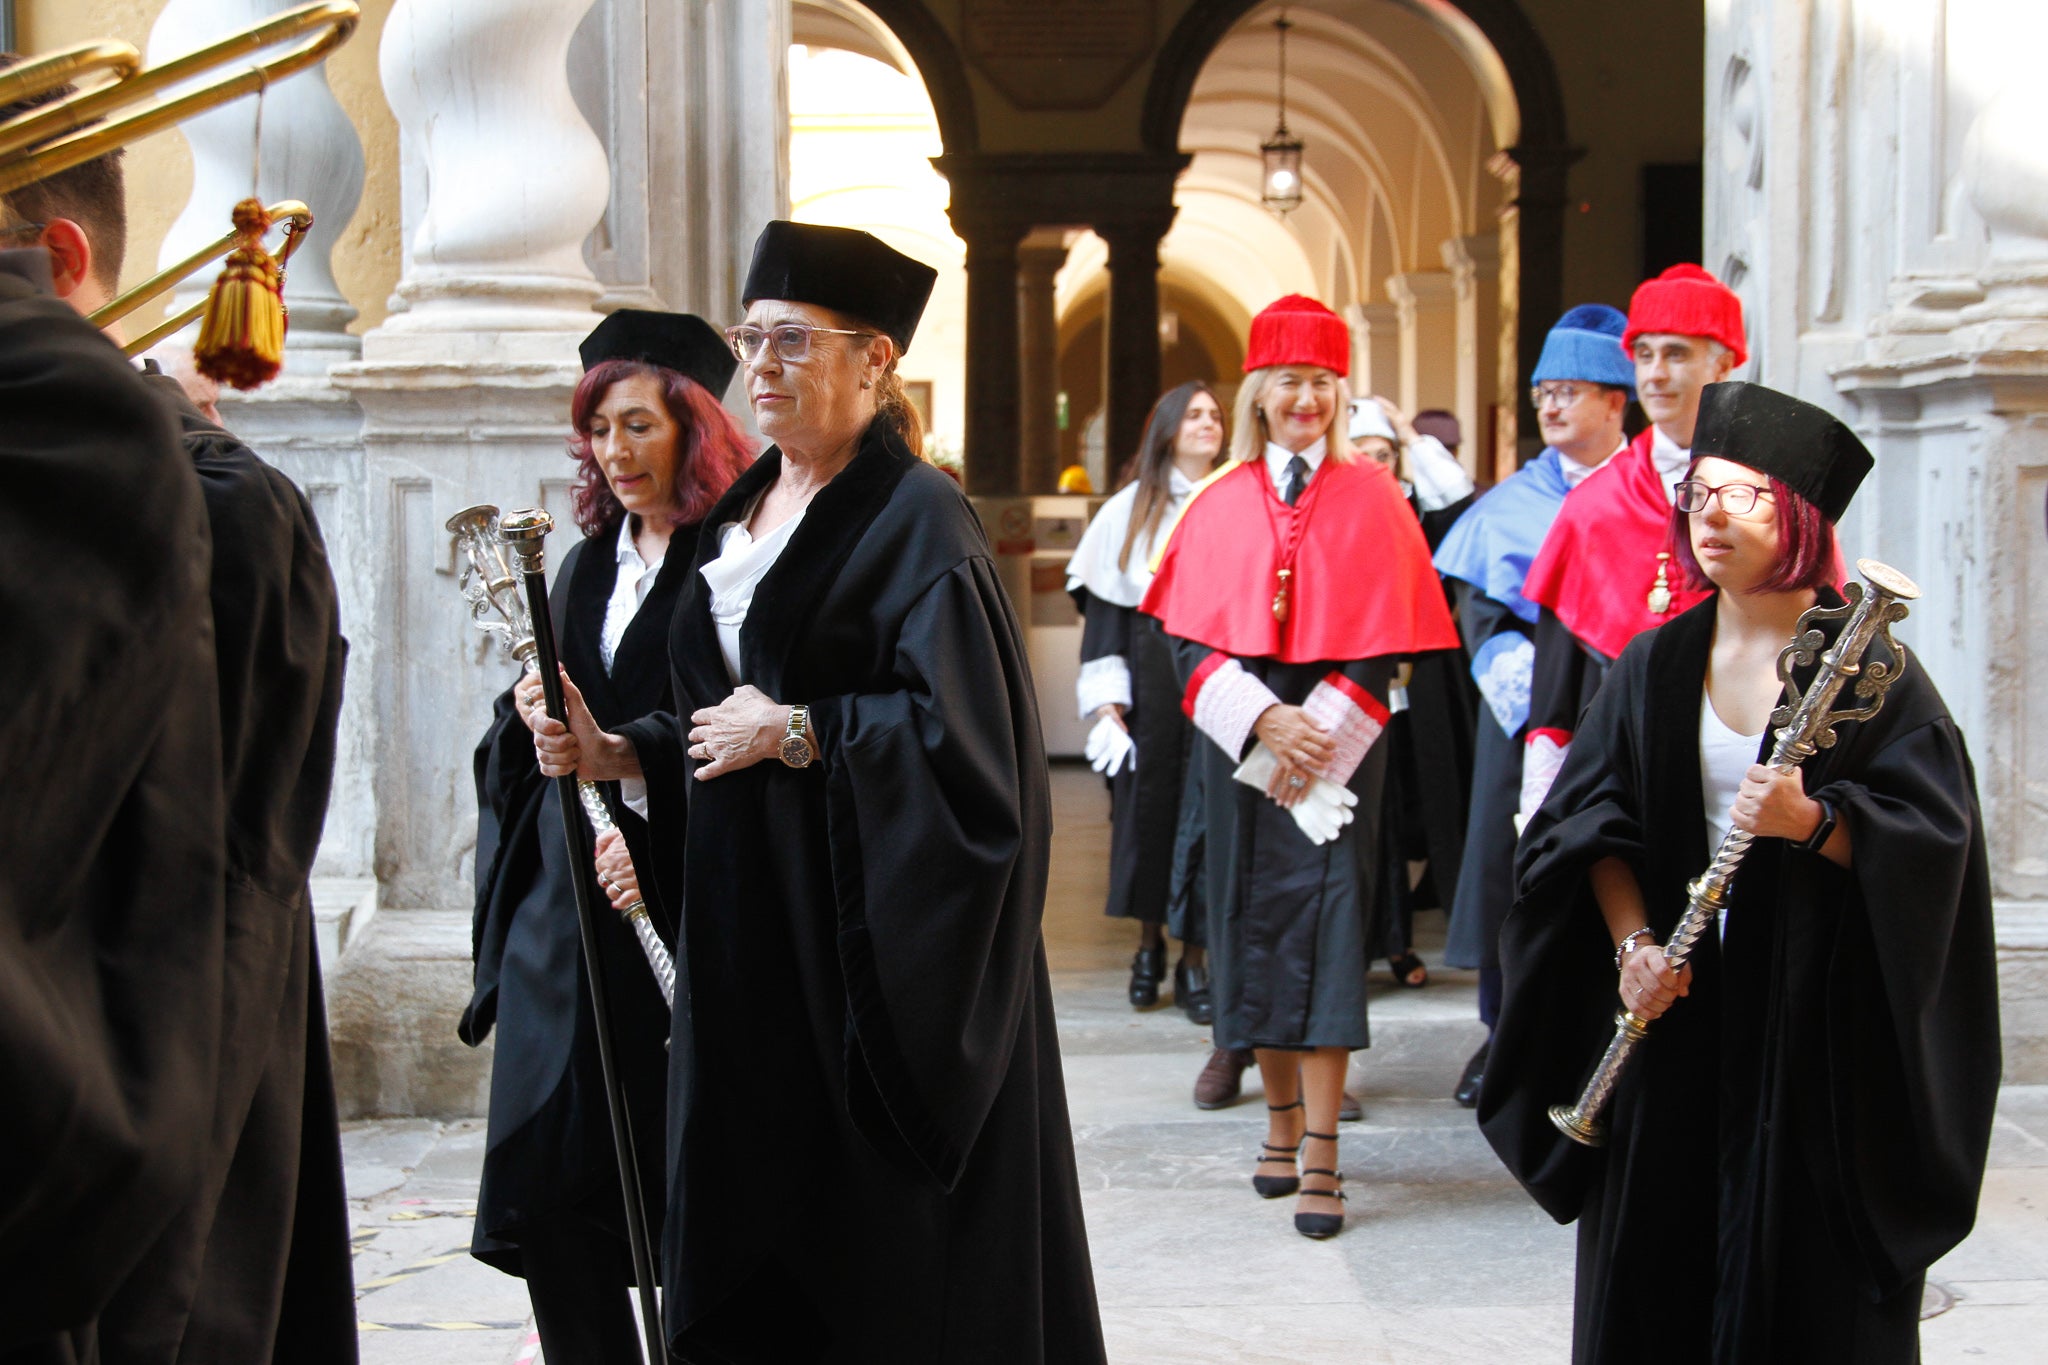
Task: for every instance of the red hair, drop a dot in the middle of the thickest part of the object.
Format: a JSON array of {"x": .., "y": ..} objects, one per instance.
[
  {"x": 711, "y": 449},
  {"x": 1807, "y": 555}
]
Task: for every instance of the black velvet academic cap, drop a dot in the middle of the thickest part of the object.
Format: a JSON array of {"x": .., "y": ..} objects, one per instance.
[
  {"x": 682, "y": 342},
  {"x": 1806, "y": 448},
  {"x": 844, "y": 269}
]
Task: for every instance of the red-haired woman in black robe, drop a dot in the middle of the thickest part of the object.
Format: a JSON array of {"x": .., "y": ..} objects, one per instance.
[
  {"x": 1804, "y": 1132},
  {"x": 654, "y": 449}
]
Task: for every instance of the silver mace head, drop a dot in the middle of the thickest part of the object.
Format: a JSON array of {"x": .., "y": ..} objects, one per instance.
[
  {"x": 490, "y": 581},
  {"x": 526, "y": 532}
]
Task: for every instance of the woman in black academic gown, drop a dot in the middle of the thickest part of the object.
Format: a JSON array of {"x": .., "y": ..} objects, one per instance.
[
  {"x": 654, "y": 450},
  {"x": 1293, "y": 585},
  {"x": 869, "y": 1151},
  {"x": 1805, "y": 1130},
  {"x": 1128, "y": 686}
]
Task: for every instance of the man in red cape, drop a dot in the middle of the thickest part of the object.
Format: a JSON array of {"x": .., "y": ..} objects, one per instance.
[
  {"x": 1293, "y": 584},
  {"x": 1605, "y": 572}
]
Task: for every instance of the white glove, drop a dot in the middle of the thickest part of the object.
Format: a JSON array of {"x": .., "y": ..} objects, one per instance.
[
  {"x": 1109, "y": 747},
  {"x": 1323, "y": 810}
]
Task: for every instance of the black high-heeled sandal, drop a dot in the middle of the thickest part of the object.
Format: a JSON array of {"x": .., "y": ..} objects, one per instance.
[
  {"x": 1321, "y": 1225},
  {"x": 1277, "y": 1186}
]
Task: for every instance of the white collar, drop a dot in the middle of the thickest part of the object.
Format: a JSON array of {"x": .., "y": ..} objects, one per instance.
[
  {"x": 1576, "y": 473},
  {"x": 1178, "y": 485},
  {"x": 1671, "y": 459},
  {"x": 627, "y": 552},
  {"x": 1278, "y": 455}
]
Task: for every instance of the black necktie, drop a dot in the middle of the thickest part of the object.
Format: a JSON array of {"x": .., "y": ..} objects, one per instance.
[{"x": 1297, "y": 479}]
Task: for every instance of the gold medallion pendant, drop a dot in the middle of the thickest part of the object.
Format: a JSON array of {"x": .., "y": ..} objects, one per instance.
[
  {"x": 1280, "y": 596},
  {"x": 1660, "y": 592}
]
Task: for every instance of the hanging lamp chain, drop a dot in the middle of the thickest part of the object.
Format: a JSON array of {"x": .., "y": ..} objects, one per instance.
[{"x": 1281, "y": 25}]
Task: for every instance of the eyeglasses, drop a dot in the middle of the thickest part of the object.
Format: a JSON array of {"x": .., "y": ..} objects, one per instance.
[
  {"x": 23, "y": 230},
  {"x": 1737, "y": 499},
  {"x": 1558, "y": 395},
  {"x": 791, "y": 341}
]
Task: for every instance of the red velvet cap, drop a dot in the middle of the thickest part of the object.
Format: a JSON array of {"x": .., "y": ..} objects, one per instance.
[
  {"x": 1686, "y": 300},
  {"x": 1296, "y": 330}
]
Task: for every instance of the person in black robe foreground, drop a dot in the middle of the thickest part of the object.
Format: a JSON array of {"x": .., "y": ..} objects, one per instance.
[
  {"x": 256, "y": 1264},
  {"x": 112, "y": 913},
  {"x": 1804, "y": 1131},
  {"x": 869, "y": 1152},
  {"x": 1127, "y": 684},
  {"x": 654, "y": 450}
]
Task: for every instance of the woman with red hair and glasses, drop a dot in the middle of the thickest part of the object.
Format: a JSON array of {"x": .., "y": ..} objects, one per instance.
[
  {"x": 654, "y": 450},
  {"x": 1805, "y": 1132}
]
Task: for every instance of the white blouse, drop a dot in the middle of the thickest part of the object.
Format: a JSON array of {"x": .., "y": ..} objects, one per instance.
[
  {"x": 629, "y": 592},
  {"x": 1726, "y": 754},
  {"x": 741, "y": 565}
]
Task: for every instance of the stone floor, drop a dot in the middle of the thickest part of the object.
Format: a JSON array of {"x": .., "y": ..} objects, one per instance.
[{"x": 1444, "y": 1260}]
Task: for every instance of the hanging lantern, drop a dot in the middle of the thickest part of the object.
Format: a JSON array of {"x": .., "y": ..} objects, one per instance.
[{"x": 1280, "y": 154}]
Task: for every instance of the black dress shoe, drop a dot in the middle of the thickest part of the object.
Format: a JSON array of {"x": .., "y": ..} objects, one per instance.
[
  {"x": 1148, "y": 969},
  {"x": 1191, "y": 993},
  {"x": 1467, "y": 1092}
]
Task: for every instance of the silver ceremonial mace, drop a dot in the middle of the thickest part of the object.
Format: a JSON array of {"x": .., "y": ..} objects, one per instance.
[
  {"x": 496, "y": 608},
  {"x": 1806, "y": 726}
]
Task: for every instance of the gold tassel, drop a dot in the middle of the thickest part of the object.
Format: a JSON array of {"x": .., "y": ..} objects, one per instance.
[{"x": 241, "y": 333}]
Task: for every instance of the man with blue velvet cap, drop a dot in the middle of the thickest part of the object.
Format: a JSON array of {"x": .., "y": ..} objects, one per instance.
[{"x": 1582, "y": 382}]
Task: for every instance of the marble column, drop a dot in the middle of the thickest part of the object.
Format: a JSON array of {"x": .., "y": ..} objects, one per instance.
[
  {"x": 1427, "y": 300},
  {"x": 310, "y": 152},
  {"x": 514, "y": 180},
  {"x": 1133, "y": 334},
  {"x": 992, "y": 458},
  {"x": 464, "y": 395},
  {"x": 1474, "y": 263},
  {"x": 1038, "y": 355}
]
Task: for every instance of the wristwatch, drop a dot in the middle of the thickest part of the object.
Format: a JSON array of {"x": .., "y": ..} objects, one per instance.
[
  {"x": 796, "y": 740},
  {"x": 1816, "y": 841}
]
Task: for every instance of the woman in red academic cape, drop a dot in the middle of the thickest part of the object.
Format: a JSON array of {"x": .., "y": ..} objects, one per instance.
[{"x": 1293, "y": 585}]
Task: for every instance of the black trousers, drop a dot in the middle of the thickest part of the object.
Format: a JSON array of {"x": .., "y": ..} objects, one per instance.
[{"x": 578, "y": 1280}]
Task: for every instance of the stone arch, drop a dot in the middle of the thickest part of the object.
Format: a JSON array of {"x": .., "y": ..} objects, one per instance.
[{"x": 940, "y": 64}]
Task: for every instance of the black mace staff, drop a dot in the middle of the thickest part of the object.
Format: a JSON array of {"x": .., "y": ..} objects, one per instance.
[{"x": 525, "y": 531}]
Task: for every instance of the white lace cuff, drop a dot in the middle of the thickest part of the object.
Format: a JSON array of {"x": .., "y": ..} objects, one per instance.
[
  {"x": 1103, "y": 682},
  {"x": 1225, "y": 702},
  {"x": 1542, "y": 759},
  {"x": 1351, "y": 716}
]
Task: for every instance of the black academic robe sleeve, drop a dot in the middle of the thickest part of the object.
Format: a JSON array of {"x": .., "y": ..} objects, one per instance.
[
  {"x": 111, "y": 883},
  {"x": 1105, "y": 627},
  {"x": 1567, "y": 675},
  {"x": 939, "y": 904}
]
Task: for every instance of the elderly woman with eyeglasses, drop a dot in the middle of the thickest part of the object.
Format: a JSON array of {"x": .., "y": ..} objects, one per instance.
[
  {"x": 869, "y": 1151},
  {"x": 1805, "y": 1132}
]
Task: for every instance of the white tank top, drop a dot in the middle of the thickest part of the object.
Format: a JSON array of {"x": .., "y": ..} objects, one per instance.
[{"x": 1725, "y": 755}]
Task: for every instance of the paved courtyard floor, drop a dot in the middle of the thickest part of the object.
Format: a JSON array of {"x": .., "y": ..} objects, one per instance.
[{"x": 1444, "y": 1260}]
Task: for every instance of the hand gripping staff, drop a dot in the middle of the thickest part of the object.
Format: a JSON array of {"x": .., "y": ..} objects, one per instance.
[
  {"x": 1806, "y": 726},
  {"x": 490, "y": 587}
]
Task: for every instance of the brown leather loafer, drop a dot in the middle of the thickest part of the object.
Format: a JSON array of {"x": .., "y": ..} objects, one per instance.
[{"x": 1222, "y": 1078}]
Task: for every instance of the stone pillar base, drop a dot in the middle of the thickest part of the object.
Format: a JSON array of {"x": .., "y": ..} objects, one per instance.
[{"x": 392, "y": 1004}]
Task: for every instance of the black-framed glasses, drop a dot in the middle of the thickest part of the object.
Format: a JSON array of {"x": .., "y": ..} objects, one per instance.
[
  {"x": 1557, "y": 395},
  {"x": 1737, "y": 499},
  {"x": 790, "y": 341}
]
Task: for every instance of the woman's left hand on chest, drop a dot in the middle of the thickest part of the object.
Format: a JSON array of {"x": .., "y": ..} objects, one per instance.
[
  {"x": 737, "y": 733},
  {"x": 1774, "y": 805}
]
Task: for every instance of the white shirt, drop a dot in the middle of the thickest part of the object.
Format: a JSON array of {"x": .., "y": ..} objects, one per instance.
[
  {"x": 1726, "y": 755},
  {"x": 1576, "y": 473},
  {"x": 741, "y": 565},
  {"x": 1671, "y": 460},
  {"x": 1277, "y": 457},
  {"x": 629, "y": 592}
]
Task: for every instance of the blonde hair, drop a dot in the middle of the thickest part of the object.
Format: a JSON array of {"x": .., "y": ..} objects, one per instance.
[
  {"x": 893, "y": 406},
  {"x": 1248, "y": 433}
]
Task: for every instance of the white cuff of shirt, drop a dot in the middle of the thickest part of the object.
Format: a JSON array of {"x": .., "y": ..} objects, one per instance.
[
  {"x": 1225, "y": 702},
  {"x": 1103, "y": 682}
]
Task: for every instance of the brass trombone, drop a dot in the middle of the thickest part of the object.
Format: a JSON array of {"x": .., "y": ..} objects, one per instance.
[
  {"x": 297, "y": 220},
  {"x": 75, "y": 128}
]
